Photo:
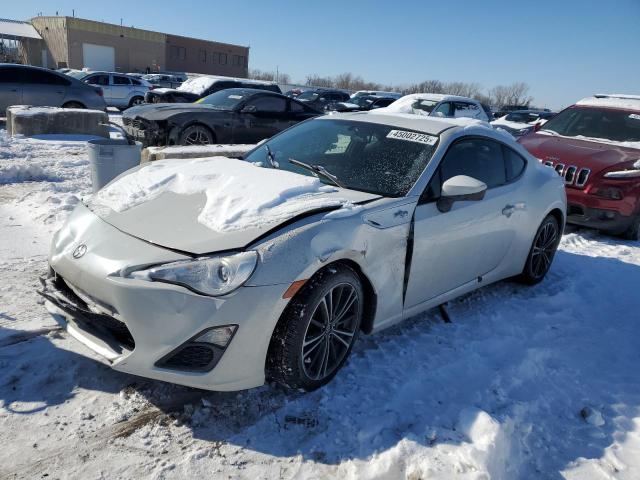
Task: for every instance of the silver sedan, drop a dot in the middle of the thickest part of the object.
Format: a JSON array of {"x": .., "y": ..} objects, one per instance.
[{"x": 222, "y": 274}]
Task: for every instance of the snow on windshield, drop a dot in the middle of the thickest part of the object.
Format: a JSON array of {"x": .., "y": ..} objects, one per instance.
[
  {"x": 197, "y": 85},
  {"x": 239, "y": 194}
]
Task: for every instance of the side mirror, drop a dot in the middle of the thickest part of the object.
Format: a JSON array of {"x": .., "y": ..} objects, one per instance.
[
  {"x": 249, "y": 109},
  {"x": 537, "y": 126},
  {"x": 460, "y": 188}
]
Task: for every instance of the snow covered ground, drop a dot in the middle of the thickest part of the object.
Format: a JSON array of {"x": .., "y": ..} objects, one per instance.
[{"x": 540, "y": 382}]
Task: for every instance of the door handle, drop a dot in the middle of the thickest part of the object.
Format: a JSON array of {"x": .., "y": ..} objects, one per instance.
[{"x": 510, "y": 208}]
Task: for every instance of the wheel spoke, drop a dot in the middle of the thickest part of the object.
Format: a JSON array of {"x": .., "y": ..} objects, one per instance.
[
  {"x": 345, "y": 307},
  {"x": 338, "y": 337}
]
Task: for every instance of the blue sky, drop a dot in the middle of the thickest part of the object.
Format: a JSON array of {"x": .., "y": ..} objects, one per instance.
[{"x": 564, "y": 49}]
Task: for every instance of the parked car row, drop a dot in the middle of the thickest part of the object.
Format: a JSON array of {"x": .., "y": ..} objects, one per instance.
[{"x": 197, "y": 88}]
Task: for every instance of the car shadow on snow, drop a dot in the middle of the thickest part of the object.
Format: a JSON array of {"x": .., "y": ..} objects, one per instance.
[
  {"x": 526, "y": 380},
  {"x": 530, "y": 384}
]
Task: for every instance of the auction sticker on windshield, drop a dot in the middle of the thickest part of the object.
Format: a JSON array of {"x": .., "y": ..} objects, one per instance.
[{"x": 412, "y": 137}]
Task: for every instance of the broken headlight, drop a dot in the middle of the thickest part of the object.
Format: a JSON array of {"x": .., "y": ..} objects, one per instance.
[{"x": 208, "y": 275}]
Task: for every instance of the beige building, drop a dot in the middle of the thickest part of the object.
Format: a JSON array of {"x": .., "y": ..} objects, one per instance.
[{"x": 78, "y": 43}]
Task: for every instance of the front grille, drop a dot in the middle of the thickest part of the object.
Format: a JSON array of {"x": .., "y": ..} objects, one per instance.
[
  {"x": 100, "y": 322},
  {"x": 134, "y": 123},
  {"x": 195, "y": 357},
  {"x": 571, "y": 174}
]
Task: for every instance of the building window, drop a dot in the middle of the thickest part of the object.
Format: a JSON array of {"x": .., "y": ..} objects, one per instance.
[
  {"x": 177, "y": 53},
  {"x": 203, "y": 56},
  {"x": 223, "y": 58}
]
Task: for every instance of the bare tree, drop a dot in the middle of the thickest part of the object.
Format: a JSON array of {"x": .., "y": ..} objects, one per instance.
[{"x": 514, "y": 94}]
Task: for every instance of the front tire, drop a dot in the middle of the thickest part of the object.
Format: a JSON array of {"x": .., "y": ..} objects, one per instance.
[
  {"x": 545, "y": 244},
  {"x": 317, "y": 330},
  {"x": 196, "y": 135},
  {"x": 136, "y": 101}
]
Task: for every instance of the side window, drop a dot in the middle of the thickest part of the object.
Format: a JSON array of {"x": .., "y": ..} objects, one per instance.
[
  {"x": 464, "y": 109},
  {"x": 514, "y": 164},
  {"x": 443, "y": 110},
  {"x": 475, "y": 157},
  {"x": 269, "y": 104},
  {"x": 118, "y": 80},
  {"x": 135, "y": 81},
  {"x": 102, "y": 80},
  {"x": 41, "y": 77},
  {"x": 11, "y": 75}
]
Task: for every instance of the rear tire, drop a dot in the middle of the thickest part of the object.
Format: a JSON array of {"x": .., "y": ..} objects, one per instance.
[
  {"x": 196, "y": 135},
  {"x": 73, "y": 105},
  {"x": 543, "y": 249},
  {"x": 317, "y": 330}
]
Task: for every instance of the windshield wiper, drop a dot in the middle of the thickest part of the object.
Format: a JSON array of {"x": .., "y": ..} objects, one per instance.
[
  {"x": 318, "y": 169},
  {"x": 271, "y": 158}
]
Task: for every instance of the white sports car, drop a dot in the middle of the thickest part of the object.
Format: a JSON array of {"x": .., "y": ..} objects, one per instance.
[{"x": 221, "y": 274}]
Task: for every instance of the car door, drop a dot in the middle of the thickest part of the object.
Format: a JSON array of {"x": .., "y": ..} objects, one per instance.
[
  {"x": 44, "y": 88},
  {"x": 10, "y": 87},
  {"x": 459, "y": 247},
  {"x": 120, "y": 90},
  {"x": 268, "y": 117},
  {"x": 101, "y": 80}
]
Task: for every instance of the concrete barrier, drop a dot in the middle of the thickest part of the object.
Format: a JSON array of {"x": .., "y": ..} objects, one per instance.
[
  {"x": 30, "y": 121},
  {"x": 151, "y": 154}
]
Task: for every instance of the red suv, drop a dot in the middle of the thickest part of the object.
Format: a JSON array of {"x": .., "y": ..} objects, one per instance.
[{"x": 595, "y": 146}]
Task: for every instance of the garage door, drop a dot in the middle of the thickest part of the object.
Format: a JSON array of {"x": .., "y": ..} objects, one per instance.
[{"x": 98, "y": 57}]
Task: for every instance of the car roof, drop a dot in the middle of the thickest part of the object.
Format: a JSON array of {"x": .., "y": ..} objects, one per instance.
[
  {"x": 420, "y": 123},
  {"x": 621, "y": 101}
]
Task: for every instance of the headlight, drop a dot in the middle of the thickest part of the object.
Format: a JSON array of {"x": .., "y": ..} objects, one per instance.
[
  {"x": 623, "y": 174},
  {"x": 632, "y": 172},
  {"x": 209, "y": 275}
]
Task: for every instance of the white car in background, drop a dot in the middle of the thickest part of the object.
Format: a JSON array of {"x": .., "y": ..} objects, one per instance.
[
  {"x": 440, "y": 105},
  {"x": 120, "y": 90},
  {"x": 521, "y": 122}
]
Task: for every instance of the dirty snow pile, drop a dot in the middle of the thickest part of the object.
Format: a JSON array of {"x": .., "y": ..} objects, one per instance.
[
  {"x": 526, "y": 382},
  {"x": 239, "y": 194}
]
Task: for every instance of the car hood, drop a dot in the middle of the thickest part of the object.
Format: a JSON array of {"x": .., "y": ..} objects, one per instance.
[
  {"x": 595, "y": 156},
  {"x": 162, "y": 111},
  {"x": 217, "y": 204}
]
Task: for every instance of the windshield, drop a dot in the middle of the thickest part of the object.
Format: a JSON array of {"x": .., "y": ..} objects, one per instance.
[
  {"x": 600, "y": 123},
  {"x": 362, "y": 156},
  {"x": 226, "y": 100},
  {"x": 362, "y": 101},
  {"x": 420, "y": 106},
  {"x": 308, "y": 96}
]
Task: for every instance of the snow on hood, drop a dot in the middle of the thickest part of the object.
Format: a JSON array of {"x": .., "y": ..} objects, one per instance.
[
  {"x": 197, "y": 85},
  {"x": 239, "y": 195}
]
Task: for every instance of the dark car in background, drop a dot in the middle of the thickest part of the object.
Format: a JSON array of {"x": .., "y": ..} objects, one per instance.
[
  {"x": 230, "y": 116},
  {"x": 25, "y": 85},
  {"x": 199, "y": 87},
  {"x": 363, "y": 103},
  {"x": 323, "y": 98}
]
